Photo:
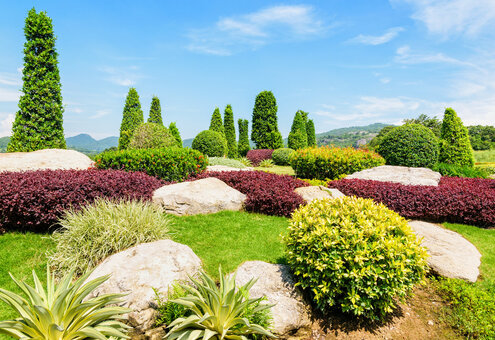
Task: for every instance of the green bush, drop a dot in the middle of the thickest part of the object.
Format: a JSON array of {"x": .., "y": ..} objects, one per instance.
[
  {"x": 98, "y": 230},
  {"x": 452, "y": 170},
  {"x": 233, "y": 163},
  {"x": 152, "y": 136},
  {"x": 455, "y": 147},
  {"x": 354, "y": 254},
  {"x": 168, "y": 311},
  {"x": 332, "y": 163},
  {"x": 282, "y": 156},
  {"x": 171, "y": 164},
  {"x": 410, "y": 145},
  {"x": 316, "y": 182},
  {"x": 210, "y": 143},
  {"x": 266, "y": 163}
]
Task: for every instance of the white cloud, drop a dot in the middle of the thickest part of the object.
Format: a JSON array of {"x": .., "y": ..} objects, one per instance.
[
  {"x": 10, "y": 79},
  {"x": 6, "y": 125},
  {"x": 8, "y": 95},
  {"x": 375, "y": 106},
  {"x": 100, "y": 113},
  {"x": 377, "y": 40},
  {"x": 277, "y": 23},
  {"x": 404, "y": 56}
]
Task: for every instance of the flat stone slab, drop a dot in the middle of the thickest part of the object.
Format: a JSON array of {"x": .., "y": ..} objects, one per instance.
[
  {"x": 211, "y": 168},
  {"x": 276, "y": 283},
  {"x": 399, "y": 174},
  {"x": 204, "y": 196},
  {"x": 48, "y": 159},
  {"x": 317, "y": 193},
  {"x": 451, "y": 255}
]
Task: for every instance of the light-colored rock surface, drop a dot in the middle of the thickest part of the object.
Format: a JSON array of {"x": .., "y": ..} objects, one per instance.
[
  {"x": 399, "y": 174},
  {"x": 317, "y": 193},
  {"x": 52, "y": 159},
  {"x": 211, "y": 168},
  {"x": 276, "y": 283},
  {"x": 451, "y": 255},
  {"x": 137, "y": 270},
  {"x": 204, "y": 196}
]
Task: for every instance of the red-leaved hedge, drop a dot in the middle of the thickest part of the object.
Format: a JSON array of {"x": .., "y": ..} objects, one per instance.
[
  {"x": 457, "y": 200},
  {"x": 258, "y": 155},
  {"x": 34, "y": 200},
  {"x": 266, "y": 193}
]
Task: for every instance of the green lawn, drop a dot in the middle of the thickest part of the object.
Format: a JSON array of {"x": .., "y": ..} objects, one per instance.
[
  {"x": 484, "y": 156},
  {"x": 278, "y": 169}
]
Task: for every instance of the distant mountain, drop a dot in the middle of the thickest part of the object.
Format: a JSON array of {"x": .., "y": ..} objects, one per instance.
[
  {"x": 4, "y": 141},
  {"x": 350, "y": 136},
  {"x": 187, "y": 143},
  {"x": 86, "y": 143}
]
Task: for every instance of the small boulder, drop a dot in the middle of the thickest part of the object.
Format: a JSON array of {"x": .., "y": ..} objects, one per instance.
[
  {"x": 451, "y": 255},
  {"x": 276, "y": 283},
  {"x": 137, "y": 270},
  {"x": 399, "y": 174},
  {"x": 317, "y": 193},
  {"x": 48, "y": 159},
  {"x": 204, "y": 196}
]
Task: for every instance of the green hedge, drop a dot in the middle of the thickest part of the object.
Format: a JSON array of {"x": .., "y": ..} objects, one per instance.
[
  {"x": 171, "y": 164},
  {"x": 282, "y": 156}
]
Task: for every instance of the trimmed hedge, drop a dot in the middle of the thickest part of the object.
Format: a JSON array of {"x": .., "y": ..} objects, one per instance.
[
  {"x": 210, "y": 143},
  {"x": 34, "y": 200},
  {"x": 457, "y": 200},
  {"x": 282, "y": 156},
  {"x": 266, "y": 193},
  {"x": 330, "y": 162},
  {"x": 258, "y": 155},
  {"x": 171, "y": 164}
]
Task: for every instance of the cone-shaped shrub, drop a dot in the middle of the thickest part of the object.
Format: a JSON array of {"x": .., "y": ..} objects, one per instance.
[
  {"x": 310, "y": 131},
  {"x": 152, "y": 136},
  {"x": 131, "y": 119},
  {"x": 228, "y": 124},
  {"x": 243, "y": 146},
  {"x": 298, "y": 138},
  {"x": 216, "y": 123},
  {"x": 175, "y": 132},
  {"x": 265, "y": 129},
  {"x": 455, "y": 147},
  {"x": 155, "y": 111},
  {"x": 38, "y": 123}
]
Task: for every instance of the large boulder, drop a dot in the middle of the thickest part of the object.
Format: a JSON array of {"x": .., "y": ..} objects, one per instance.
[
  {"x": 137, "y": 270},
  {"x": 204, "y": 196},
  {"x": 451, "y": 255},
  {"x": 399, "y": 174},
  {"x": 276, "y": 283},
  {"x": 317, "y": 193},
  {"x": 52, "y": 159}
]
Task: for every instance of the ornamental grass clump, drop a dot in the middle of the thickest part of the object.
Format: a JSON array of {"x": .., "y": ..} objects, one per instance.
[
  {"x": 354, "y": 254},
  {"x": 89, "y": 235}
]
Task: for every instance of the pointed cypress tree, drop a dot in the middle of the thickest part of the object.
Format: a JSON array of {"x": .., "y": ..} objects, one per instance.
[
  {"x": 298, "y": 138},
  {"x": 455, "y": 147},
  {"x": 264, "y": 131},
  {"x": 39, "y": 123},
  {"x": 155, "y": 111},
  {"x": 310, "y": 131},
  {"x": 243, "y": 146},
  {"x": 229, "y": 127},
  {"x": 175, "y": 132},
  {"x": 131, "y": 118},
  {"x": 216, "y": 123}
]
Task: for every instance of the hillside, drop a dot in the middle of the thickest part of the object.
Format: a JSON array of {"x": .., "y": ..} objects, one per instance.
[
  {"x": 4, "y": 141},
  {"x": 83, "y": 142},
  {"x": 349, "y": 136}
]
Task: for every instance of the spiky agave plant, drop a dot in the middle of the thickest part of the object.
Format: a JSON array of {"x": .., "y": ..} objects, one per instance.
[
  {"x": 60, "y": 312},
  {"x": 217, "y": 311}
]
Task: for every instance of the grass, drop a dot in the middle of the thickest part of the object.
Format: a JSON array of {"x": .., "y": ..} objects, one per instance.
[
  {"x": 279, "y": 170},
  {"x": 484, "y": 156}
]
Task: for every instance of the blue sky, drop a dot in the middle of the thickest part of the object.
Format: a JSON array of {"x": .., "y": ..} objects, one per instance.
[{"x": 345, "y": 62}]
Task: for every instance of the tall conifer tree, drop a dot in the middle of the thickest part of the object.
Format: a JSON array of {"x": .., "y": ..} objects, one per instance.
[
  {"x": 131, "y": 118},
  {"x": 243, "y": 146},
  {"x": 310, "y": 131},
  {"x": 264, "y": 131},
  {"x": 229, "y": 127},
  {"x": 175, "y": 132},
  {"x": 216, "y": 123},
  {"x": 155, "y": 111},
  {"x": 298, "y": 138},
  {"x": 455, "y": 147}
]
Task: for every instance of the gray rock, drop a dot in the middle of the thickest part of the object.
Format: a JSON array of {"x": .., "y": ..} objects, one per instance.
[
  {"x": 137, "y": 270},
  {"x": 317, "y": 193},
  {"x": 204, "y": 196},
  {"x": 399, "y": 174},
  {"x": 451, "y": 255},
  {"x": 276, "y": 283},
  {"x": 53, "y": 159}
]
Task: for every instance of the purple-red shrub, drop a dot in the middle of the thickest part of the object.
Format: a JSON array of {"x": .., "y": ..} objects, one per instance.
[
  {"x": 456, "y": 200},
  {"x": 34, "y": 200},
  {"x": 266, "y": 193},
  {"x": 258, "y": 155}
]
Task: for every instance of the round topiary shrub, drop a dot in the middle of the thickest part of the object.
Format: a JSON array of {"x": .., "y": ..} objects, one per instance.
[
  {"x": 282, "y": 156},
  {"x": 354, "y": 254},
  {"x": 210, "y": 143},
  {"x": 411, "y": 145},
  {"x": 152, "y": 136}
]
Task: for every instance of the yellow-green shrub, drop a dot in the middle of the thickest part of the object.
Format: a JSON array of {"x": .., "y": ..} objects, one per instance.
[{"x": 354, "y": 254}]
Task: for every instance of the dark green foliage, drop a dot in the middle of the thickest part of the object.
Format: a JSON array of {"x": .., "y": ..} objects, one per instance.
[
  {"x": 152, "y": 136},
  {"x": 411, "y": 145},
  {"x": 376, "y": 141},
  {"x": 175, "y": 132},
  {"x": 155, "y": 111},
  {"x": 216, "y": 123},
  {"x": 451, "y": 170},
  {"x": 243, "y": 146},
  {"x": 298, "y": 137},
  {"x": 210, "y": 143},
  {"x": 433, "y": 123},
  {"x": 265, "y": 129},
  {"x": 310, "y": 132},
  {"x": 39, "y": 123},
  {"x": 482, "y": 137},
  {"x": 131, "y": 119},
  {"x": 282, "y": 156},
  {"x": 455, "y": 147},
  {"x": 229, "y": 128},
  {"x": 167, "y": 310}
]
